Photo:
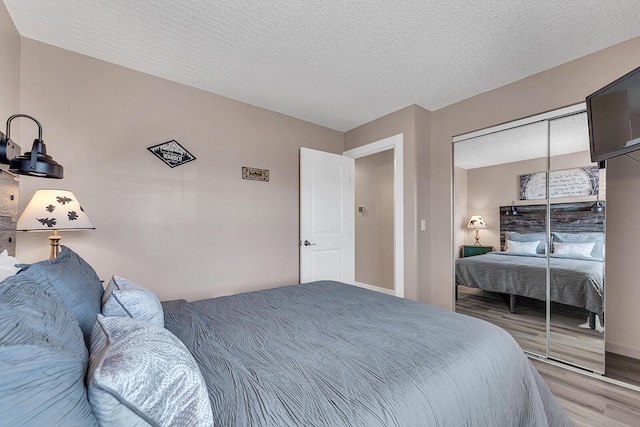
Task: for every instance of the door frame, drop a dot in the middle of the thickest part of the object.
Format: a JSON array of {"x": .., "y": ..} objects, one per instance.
[{"x": 394, "y": 143}]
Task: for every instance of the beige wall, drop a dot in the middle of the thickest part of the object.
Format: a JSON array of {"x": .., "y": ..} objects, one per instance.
[
  {"x": 375, "y": 226},
  {"x": 9, "y": 71},
  {"x": 414, "y": 123},
  {"x": 194, "y": 231},
  {"x": 490, "y": 187},
  {"x": 564, "y": 85},
  {"x": 561, "y": 86},
  {"x": 461, "y": 211},
  {"x": 198, "y": 230},
  {"x": 622, "y": 270},
  {"x": 423, "y": 202}
]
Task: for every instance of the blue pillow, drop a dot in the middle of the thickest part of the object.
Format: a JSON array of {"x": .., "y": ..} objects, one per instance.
[
  {"x": 126, "y": 299},
  {"x": 76, "y": 282},
  {"x": 43, "y": 358}
]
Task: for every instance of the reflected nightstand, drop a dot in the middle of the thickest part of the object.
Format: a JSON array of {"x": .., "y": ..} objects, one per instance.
[
  {"x": 472, "y": 250},
  {"x": 467, "y": 251}
]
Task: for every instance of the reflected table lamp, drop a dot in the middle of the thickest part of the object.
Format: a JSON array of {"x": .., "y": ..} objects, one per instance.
[
  {"x": 477, "y": 222},
  {"x": 54, "y": 210}
]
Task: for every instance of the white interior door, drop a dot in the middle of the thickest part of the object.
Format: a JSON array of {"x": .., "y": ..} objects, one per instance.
[{"x": 327, "y": 246}]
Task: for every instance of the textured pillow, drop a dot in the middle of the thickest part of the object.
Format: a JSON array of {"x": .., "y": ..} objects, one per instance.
[
  {"x": 43, "y": 358},
  {"x": 141, "y": 374},
  {"x": 582, "y": 250},
  {"x": 76, "y": 283},
  {"x": 7, "y": 265},
  {"x": 597, "y": 238},
  {"x": 522, "y": 248},
  {"x": 126, "y": 299},
  {"x": 541, "y": 238}
]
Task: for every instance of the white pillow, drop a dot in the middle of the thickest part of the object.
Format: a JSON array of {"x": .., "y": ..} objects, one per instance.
[
  {"x": 126, "y": 299},
  {"x": 141, "y": 374},
  {"x": 522, "y": 248},
  {"x": 541, "y": 238},
  {"x": 597, "y": 238},
  {"x": 573, "y": 249},
  {"x": 7, "y": 265}
]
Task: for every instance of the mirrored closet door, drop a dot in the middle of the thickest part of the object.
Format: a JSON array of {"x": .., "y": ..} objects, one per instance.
[
  {"x": 576, "y": 330},
  {"x": 524, "y": 223}
]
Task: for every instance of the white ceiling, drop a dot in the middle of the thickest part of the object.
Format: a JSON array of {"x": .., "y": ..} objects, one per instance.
[
  {"x": 335, "y": 63},
  {"x": 565, "y": 135}
]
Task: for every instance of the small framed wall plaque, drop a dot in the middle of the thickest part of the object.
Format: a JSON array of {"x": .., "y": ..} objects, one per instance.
[
  {"x": 255, "y": 174},
  {"x": 172, "y": 153}
]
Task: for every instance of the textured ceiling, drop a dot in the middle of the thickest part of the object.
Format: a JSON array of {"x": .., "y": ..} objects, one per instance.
[
  {"x": 335, "y": 63},
  {"x": 566, "y": 135}
]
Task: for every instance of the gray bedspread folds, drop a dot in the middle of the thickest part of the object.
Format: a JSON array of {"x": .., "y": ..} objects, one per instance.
[
  {"x": 575, "y": 282},
  {"x": 330, "y": 354}
]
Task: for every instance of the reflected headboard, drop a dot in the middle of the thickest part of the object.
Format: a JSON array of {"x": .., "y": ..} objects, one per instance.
[
  {"x": 564, "y": 217},
  {"x": 9, "y": 186}
]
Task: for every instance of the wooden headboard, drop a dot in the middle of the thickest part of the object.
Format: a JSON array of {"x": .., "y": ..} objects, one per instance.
[
  {"x": 9, "y": 186},
  {"x": 565, "y": 218}
]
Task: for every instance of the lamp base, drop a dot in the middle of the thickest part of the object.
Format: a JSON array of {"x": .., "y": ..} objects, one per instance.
[
  {"x": 55, "y": 244},
  {"x": 477, "y": 238}
]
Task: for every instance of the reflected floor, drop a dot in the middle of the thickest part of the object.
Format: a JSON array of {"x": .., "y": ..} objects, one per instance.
[{"x": 571, "y": 339}]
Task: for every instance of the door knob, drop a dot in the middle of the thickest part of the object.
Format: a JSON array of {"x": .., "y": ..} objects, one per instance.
[{"x": 308, "y": 243}]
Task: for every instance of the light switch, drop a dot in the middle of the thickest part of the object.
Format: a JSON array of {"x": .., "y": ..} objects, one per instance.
[{"x": 423, "y": 225}]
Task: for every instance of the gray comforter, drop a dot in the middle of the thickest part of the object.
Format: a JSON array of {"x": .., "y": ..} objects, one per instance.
[
  {"x": 330, "y": 354},
  {"x": 575, "y": 282}
]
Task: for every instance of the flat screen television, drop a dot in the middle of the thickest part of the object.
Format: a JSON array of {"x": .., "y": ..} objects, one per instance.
[{"x": 613, "y": 113}]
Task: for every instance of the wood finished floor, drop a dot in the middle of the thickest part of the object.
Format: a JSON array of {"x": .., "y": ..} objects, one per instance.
[
  {"x": 590, "y": 401},
  {"x": 623, "y": 368},
  {"x": 587, "y": 400},
  {"x": 571, "y": 343}
]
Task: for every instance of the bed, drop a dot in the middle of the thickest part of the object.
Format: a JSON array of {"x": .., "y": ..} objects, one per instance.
[
  {"x": 318, "y": 354},
  {"x": 576, "y": 275},
  {"x": 573, "y": 281}
]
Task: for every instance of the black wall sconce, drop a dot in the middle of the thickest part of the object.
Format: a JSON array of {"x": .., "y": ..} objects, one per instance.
[
  {"x": 598, "y": 206},
  {"x": 513, "y": 211},
  {"x": 35, "y": 162}
]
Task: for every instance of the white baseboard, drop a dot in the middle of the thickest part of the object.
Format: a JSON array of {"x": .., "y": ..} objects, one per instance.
[
  {"x": 375, "y": 288},
  {"x": 623, "y": 350}
]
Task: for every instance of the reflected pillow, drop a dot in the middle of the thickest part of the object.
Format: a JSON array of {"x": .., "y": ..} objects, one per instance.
[
  {"x": 580, "y": 250},
  {"x": 126, "y": 299},
  {"x": 522, "y": 248},
  {"x": 141, "y": 374},
  {"x": 541, "y": 238},
  {"x": 7, "y": 265},
  {"x": 597, "y": 238}
]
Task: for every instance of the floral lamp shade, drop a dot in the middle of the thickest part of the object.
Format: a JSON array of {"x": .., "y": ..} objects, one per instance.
[
  {"x": 477, "y": 222},
  {"x": 54, "y": 210}
]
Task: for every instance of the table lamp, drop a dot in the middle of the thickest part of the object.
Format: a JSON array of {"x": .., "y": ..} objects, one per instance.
[
  {"x": 54, "y": 210},
  {"x": 477, "y": 222}
]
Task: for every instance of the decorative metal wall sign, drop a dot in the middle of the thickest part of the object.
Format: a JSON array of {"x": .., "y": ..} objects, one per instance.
[
  {"x": 255, "y": 174},
  {"x": 565, "y": 183},
  {"x": 172, "y": 153}
]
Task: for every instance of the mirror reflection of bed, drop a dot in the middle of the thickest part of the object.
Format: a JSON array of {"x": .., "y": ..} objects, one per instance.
[
  {"x": 498, "y": 169},
  {"x": 508, "y": 287}
]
